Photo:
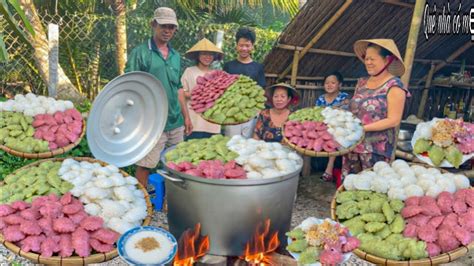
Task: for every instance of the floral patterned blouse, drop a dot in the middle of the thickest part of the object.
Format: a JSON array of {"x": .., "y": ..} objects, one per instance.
[
  {"x": 266, "y": 130},
  {"x": 341, "y": 99},
  {"x": 370, "y": 105}
]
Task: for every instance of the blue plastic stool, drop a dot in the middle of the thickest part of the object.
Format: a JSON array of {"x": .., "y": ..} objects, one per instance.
[{"x": 157, "y": 181}]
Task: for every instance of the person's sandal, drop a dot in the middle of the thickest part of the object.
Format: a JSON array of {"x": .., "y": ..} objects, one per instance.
[{"x": 327, "y": 177}]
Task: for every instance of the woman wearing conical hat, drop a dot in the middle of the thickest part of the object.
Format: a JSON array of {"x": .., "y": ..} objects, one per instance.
[
  {"x": 203, "y": 53},
  {"x": 378, "y": 102}
]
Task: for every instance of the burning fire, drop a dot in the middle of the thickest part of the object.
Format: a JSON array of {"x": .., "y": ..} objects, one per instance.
[
  {"x": 256, "y": 252},
  {"x": 187, "y": 253}
]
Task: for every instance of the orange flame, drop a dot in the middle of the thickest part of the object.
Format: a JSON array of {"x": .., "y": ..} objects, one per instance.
[
  {"x": 256, "y": 253},
  {"x": 187, "y": 253}
]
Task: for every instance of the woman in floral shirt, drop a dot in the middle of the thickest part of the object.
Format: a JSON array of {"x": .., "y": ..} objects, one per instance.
[
  {"x": 333, "y": 97},
  {"x": 378, "y": 102},
  {"x": 270, "y": 121}
]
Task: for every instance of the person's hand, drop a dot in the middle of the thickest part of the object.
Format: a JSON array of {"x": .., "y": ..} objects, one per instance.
[{"x": 188, "y": 126}]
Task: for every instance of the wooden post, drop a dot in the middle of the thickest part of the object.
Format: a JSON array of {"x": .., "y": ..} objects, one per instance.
[
  {"x": 410, "y": 53},
  {"x": 320, "y": 33},
  {"x": 294, "y": 73},
  {"x": 294, "y": 69},
  {"x": 412, "y": 40},
  {"x": 424, "y": 96}
]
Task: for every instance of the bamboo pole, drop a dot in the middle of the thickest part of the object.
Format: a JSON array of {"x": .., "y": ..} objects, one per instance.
[
  {"x": 77, "y": 75},
  {"x": 454, "y": 84},
  {"x": 459, "y": 65},
  {"x": 348, "y": 88},
  {"x": 320, "y": 33},
  {"x": 314, "y": 50},
  {"x": 424, "y": 96},
  {"x": 453, "y": 56},
  {"x": 412, "y": 40},
  {"x": 294, "y": 69},
  {"x": 294, "y": 72},
  {"x": 340, "y": 53}
]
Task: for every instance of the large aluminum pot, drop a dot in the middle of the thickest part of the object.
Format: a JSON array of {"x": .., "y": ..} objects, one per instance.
[{"x": 229, "y": 210}]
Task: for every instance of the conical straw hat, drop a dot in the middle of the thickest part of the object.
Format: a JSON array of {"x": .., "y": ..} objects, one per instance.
[
  {"x": 396, "y": 68},
  {"x": 204, "y": 45}
]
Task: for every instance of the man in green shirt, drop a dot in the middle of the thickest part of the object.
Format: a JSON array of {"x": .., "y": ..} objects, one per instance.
[{"x": 156, "y": 57}]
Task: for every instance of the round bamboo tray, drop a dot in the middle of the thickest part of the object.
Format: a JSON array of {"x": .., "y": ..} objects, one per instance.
[
  {"x": 442, "y": 258},
  {"x": 48, "y": 154},
  {"x": 226, "y": 124},
  {"x": 312, "y": 153},
  {"x": 75, "y": 260}
]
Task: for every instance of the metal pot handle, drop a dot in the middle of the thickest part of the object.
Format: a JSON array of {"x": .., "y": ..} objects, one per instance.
[{"x": 180, "y": 181}]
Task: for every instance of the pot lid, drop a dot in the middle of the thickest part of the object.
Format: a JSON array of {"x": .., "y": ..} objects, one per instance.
[
  {"x": 225, "y": 182},
  {"x": 127, "y": 118}
]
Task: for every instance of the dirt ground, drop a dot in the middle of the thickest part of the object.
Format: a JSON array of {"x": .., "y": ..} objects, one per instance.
[{"x": 314, "y": 197}]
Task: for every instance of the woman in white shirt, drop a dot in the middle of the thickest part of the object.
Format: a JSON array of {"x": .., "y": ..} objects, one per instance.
[{"x": 203, "y": 53}]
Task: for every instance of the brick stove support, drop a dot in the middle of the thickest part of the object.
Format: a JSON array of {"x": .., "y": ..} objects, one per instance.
[{"x": 212, "y": 260}]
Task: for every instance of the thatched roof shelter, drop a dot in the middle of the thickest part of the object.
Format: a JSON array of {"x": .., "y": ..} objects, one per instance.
[{"x": 327, "y": 29}]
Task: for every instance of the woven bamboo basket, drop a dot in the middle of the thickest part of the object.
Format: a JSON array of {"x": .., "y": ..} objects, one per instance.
[
  {"x": 442, "y": 258},
  {"x": 48, "y": 154},
  {"x": 75, "y": 260},
  {"x": 312, "y": 153}
]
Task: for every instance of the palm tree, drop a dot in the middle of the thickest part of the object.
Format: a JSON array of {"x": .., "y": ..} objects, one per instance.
[
  {"x": 39, "y": 43},
  {"x": 7, "y": 15},
  {"x": 213, "y": 11},
  {"x": 289, "y": 6},
  {"x": 193, "y": 9},
  {"x": 118, "y": 9}
]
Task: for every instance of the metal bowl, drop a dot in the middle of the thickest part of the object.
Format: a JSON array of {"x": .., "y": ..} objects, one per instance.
[
  {"x": 405, "y": 145},
  {"x": 405, "y": 134}
]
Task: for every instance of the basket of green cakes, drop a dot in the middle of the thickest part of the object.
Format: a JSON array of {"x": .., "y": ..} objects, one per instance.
[{"x": 407, "y": 214}]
